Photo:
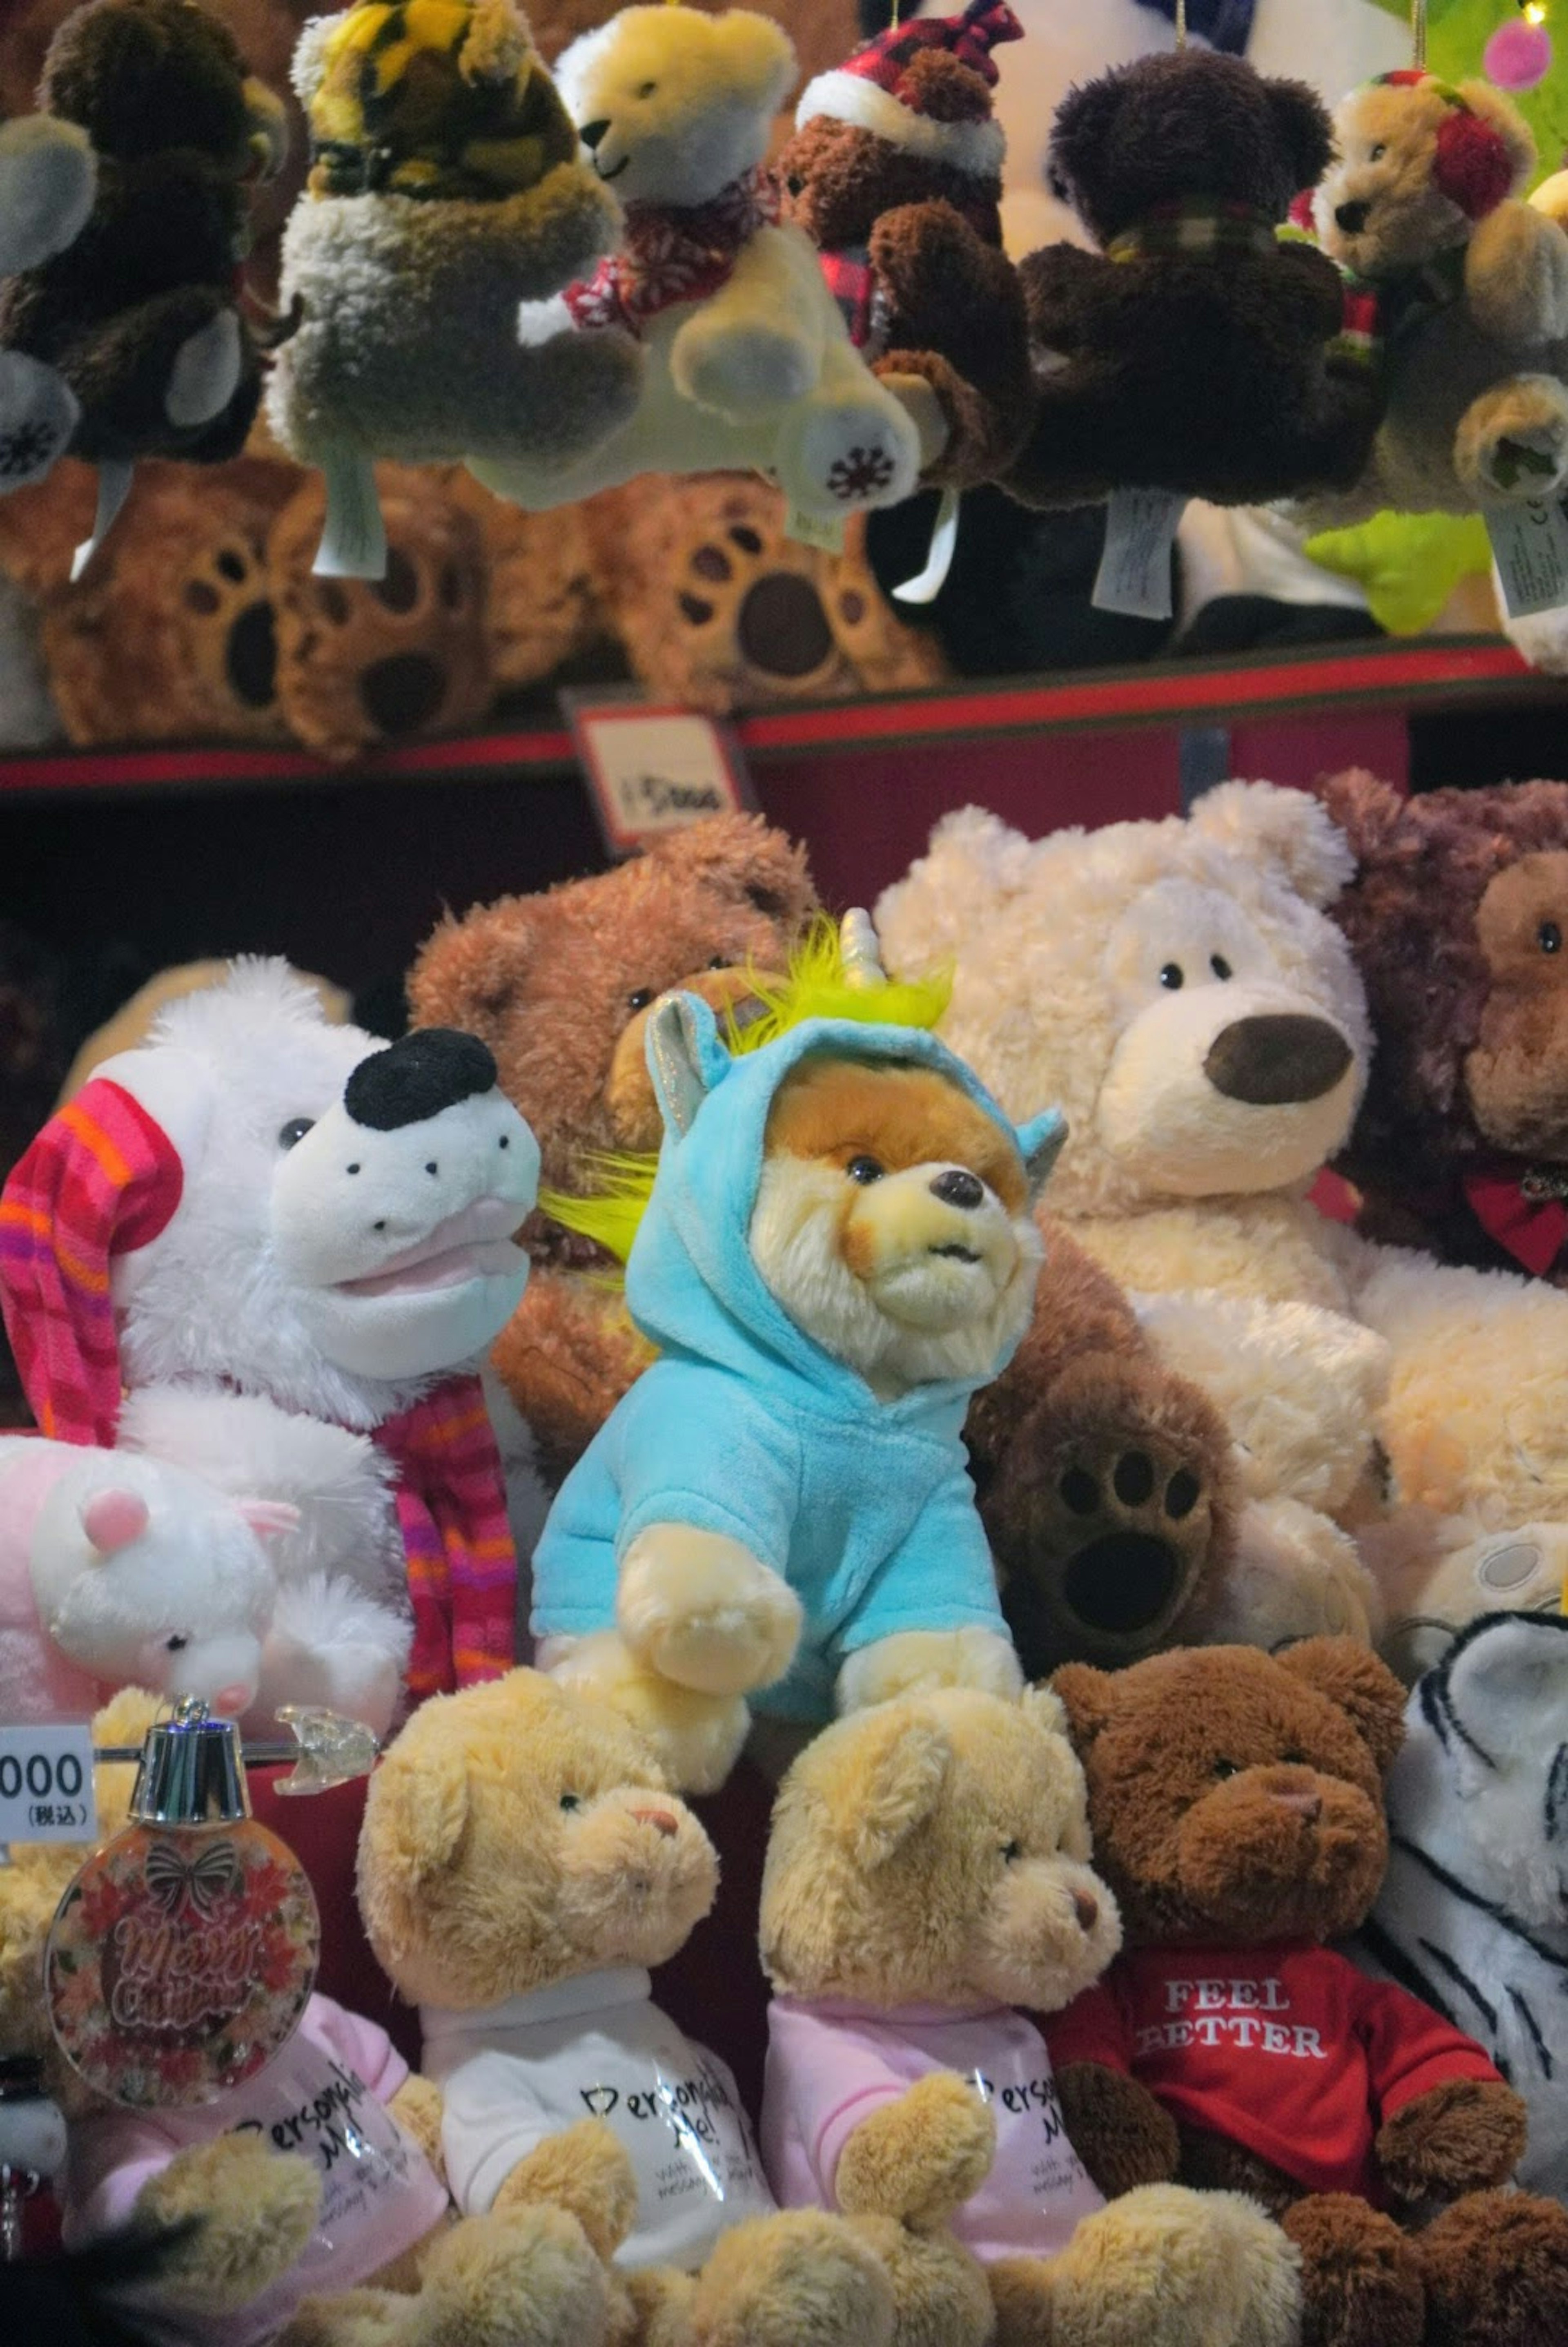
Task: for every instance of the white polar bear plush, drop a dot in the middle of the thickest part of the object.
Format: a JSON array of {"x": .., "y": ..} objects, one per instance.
[
  {"x": 121, "y": 1571},
  {"x": 1178, "y": 987},
  {"x": 266, "y": 1250},
  {"x": 747, "y": 362}
]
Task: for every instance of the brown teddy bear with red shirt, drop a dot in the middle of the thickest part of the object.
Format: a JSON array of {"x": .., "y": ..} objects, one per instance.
[{"x": 1236, "y": 1808}]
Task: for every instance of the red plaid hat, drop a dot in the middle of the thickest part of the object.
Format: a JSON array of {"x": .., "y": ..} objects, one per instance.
[
  {"x": 873, "y": 89},
  {"x": 101, "y": 1179}
]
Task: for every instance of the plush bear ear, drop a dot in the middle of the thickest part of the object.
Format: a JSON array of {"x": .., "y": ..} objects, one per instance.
[
  {"x": 1366, "y": 810},
  {"x": 1045, "y": 1708},
  {"x": 1305, "y": 132},
  {"x": 901, "y": 1757},
  {"x": 309, "y": 67},
  {"x": 1350, "y": 1675},
  {"x": 757, "y": 57},
  {"x": 1088, "y": 1696},
  {"x": 1500, "y": 163},
  {"x": 1041, "y": 1142},
  {"x": 1500, "y": 1676},
  {"x": 974, "y": 863},
  {"x": 469, "y": 971},
  {"x": 686, "y": 1058},
  {"x": 1288, "y": 830},
  {"x": 416, "y": 1814},
  {"x": 1083, "y": 124},
  {"x": 745, "y": 858}
]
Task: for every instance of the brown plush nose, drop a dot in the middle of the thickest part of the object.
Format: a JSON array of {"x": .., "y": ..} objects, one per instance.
[
  {"x": 1308, "y": 1806},
  {"x": 1352, "y": 217},
  {"x": 1276, "y": 1058},
  {"x": 660, "y": 1819},
  {"x": 1086, "y": 1911},
  {"x": 957, "y": 1188}
]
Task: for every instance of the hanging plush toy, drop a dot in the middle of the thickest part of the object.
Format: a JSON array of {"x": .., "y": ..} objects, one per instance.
[
  {"x": 747, "y": 362},
  {"x": 445, "y": 187},
  {"x": 263, "y": 1249},
  {"x": 1468, "y": 289},
  {"x": 1195, "y": 353},
  {"x": 139, "y": 313},
  {"x": 895, "y": 173}
]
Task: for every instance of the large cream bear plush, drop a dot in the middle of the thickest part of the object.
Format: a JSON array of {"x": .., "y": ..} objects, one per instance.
[
  {"x": 1176, "y": 985},
  {"x": 747, "y": 362}
]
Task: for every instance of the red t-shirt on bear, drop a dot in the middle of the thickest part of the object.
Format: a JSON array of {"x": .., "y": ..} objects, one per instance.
[{"x": 1286, "y": 2050}]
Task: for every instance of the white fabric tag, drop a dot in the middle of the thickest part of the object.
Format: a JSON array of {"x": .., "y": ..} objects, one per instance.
[
  {"x": 1530, "y": 546},
  {"x": 824, "y": 532},
  {"x": 114, "y": 489},
  {"x": 927, "y": 584},
  {"x": 355, "y": 539},
  {"x": 1135, "y": 569}
]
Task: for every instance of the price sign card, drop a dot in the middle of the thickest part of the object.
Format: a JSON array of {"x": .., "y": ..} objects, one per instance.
[
  {"x": 47, "y": 1784},
  {"x": 651, "y": 769}
]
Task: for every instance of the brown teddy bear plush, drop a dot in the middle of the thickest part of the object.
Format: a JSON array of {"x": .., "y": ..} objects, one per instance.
[
  {"x": 1192, "y": 353},
  {"x": 1458, "y": 918},
  {"x": 895, "y": 173},
  {"x": 1236, "y": 1802},
  {"x": 522, "y": 1863},
  {"x": 559, "y": 985},
  {"x": 140, "y": 314},
  {"x": 927, "y": 1872}
]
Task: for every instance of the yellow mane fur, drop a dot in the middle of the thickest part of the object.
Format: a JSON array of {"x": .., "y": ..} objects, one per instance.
[{"x": 817, "y": 987}]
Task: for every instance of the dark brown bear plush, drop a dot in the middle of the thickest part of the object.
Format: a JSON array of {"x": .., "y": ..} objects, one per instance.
[
  {"x": 1195, "y": 353},
  {"x": 139, "y": 315},
  {"x": 1235, "y": 1804},
  {"x": 1458, "y": 918},
  {"x": 895, "y": 173}
]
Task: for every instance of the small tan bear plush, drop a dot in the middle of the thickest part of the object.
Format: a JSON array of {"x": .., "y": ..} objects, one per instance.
[
  {"x": 928, "y": 1871},
  {"x": 522, "y": 1863}
]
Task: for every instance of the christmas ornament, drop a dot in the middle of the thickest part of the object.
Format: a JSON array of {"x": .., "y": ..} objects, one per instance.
[{"x": 184, "y": 1953}]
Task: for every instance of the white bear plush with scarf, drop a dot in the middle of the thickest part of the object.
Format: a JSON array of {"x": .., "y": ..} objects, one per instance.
[
  {"x": 1474, "y": 1911},
  {"x": 747, "y": 363},
  {"x": 257, "y": 1247}
]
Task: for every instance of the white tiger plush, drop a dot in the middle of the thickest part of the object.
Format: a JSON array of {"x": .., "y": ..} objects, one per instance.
[{"x": 1473, "y": 1912}]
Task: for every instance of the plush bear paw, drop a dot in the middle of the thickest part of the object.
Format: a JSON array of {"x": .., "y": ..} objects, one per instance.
[
  {"x": 919, "y": 2158},
  {"x": 836, "y": 456},
  {"x": 740, "y": 369},
  {"x": 1187, "y": 2268},
  {"x": 1361, "y": 2276},
  {"x": 585, "y": 2170},
  {"x": 917, "y": 1660},
  {"x": 515, "y": 2277},
  {"x": 206, "y": 373},
  {"x": 256, "y": 2210},
  {"x": 47, "y": 175},
  {"x": 1461, "y": 2136},
  {"x": 1496, "y": 2271},
  {"x": 701, "y": 1610},
  {"x": 38, "y": 414},
  {"x": 1512, "y": 446},
  {"x": 696, "y": 1738},
  {"x": 774, "y": 2281}
]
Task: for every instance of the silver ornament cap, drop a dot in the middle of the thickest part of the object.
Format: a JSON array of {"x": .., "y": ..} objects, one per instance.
[{"x": 191, "y": 1771}]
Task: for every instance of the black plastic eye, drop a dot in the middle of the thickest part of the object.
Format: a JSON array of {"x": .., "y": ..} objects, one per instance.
[
  {"x": 1173, "y": 977},
  {"x": 294, "y": 1131},
  {"x": 1376, "y": 154},
  {"x": 1011, "y": 1850},
  {"x": 864, "y": 1170},
  {"x": 1220, "y": 966},
  {"x": 571, "y": 1801},
  {"x": 648, "y": 89},
  {"x": 353, "y": 1169},
  {"x": 1294, "y": 1759},
  {"x": 793, "y": 183},
  {"x": 639, "y": 997},
  {"x": 1224, "y": 1768},
  {"x": 720, "y": 961},
  {"x": 176, "y": 1645},
  {"x": 505, "y": 1142},
  {"x": 1549, "y": 937}
]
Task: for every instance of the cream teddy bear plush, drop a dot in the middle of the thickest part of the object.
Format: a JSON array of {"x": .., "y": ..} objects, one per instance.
[
  {"x": 747, "y": 366},
  {"x": 1423, "y": 207},
  {"x": 928, "y": 1871},
  {"x": 1204, "y": 1029},
  {"x": 522, "y": 1863}
]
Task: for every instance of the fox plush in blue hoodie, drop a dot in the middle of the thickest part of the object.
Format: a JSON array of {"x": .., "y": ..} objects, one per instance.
[{"x": 837, "y": 1253}]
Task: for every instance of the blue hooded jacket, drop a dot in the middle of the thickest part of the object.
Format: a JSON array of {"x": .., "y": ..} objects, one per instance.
[{"x": 744, "y": 1425}]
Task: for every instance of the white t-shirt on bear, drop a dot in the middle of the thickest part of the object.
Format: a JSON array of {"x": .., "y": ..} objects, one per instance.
[{"x": 598, "y": 2047}]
